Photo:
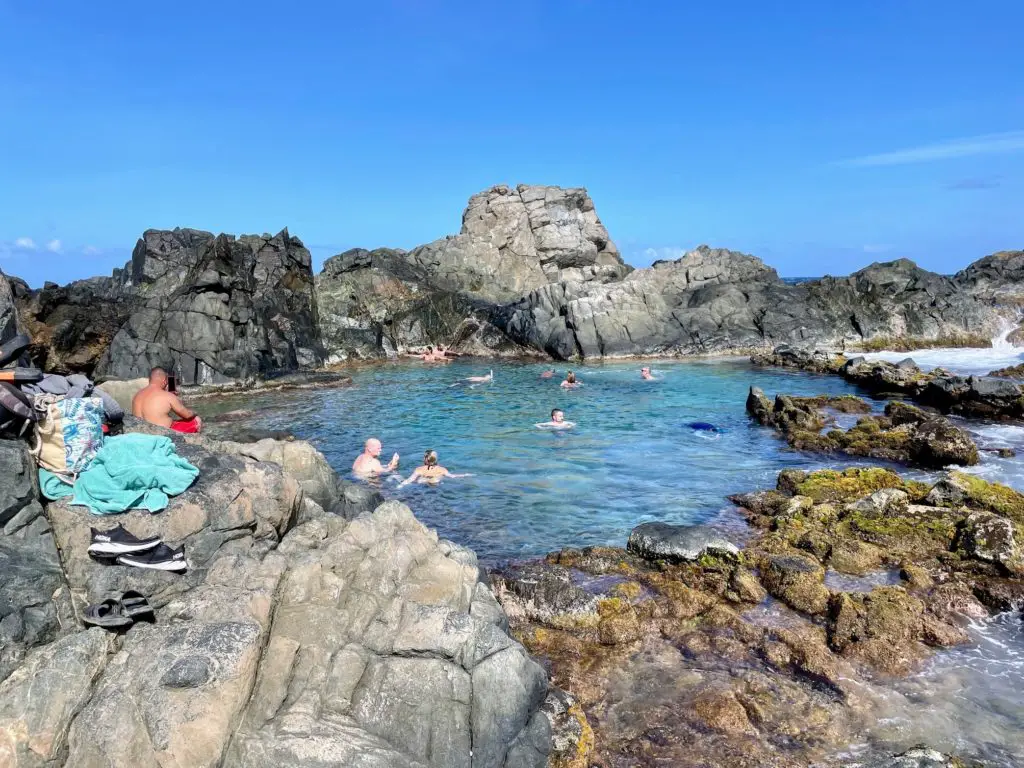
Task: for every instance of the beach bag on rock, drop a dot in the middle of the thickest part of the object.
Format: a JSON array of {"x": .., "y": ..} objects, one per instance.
[
  {"x": 68, "y": 432},
  {"x": 16, "y": 411}
]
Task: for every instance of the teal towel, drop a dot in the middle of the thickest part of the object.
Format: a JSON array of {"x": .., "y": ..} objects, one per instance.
[{"x": 131, "y": 471}]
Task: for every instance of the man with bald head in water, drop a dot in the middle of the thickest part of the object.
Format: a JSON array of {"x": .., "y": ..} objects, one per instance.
[
  {"x": 155, "y": 404},
  {"x": 368, "y": 462}
]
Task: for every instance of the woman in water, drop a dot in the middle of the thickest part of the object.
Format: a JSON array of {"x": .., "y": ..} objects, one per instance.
[
  {"x": 570, "y": 381},
  {"x": 430, "y": 471}
]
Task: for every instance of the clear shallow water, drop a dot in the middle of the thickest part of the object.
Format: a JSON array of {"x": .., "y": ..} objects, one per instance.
[
  {"x": 630, "y": 459},
  {"x": 966, "y": 701}
]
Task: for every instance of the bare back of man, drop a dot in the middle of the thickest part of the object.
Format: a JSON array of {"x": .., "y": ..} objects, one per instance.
[{"x": 155, "y": 404}]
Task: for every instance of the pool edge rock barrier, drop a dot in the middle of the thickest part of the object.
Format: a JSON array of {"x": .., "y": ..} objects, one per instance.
[
  {"x": 298, "y": 636},
  {"x": 674, "y": 651}
]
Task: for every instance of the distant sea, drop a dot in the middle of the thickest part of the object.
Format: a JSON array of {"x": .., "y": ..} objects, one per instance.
[{"x": 797, "y": 280}]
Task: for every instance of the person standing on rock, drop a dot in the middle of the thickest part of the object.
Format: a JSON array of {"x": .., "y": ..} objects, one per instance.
[
  {"x": 155, "y": 404},
  {"x": 367, "y": 464}
]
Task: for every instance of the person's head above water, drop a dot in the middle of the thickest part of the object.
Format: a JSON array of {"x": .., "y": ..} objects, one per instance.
[
  {"x": 557, "y": 415},
  {"x": 158, "y": 377},
  {"x": 373, "y": 447},
  {"x": 430, "y": 458},
  {"x": 570, "y": 377}
]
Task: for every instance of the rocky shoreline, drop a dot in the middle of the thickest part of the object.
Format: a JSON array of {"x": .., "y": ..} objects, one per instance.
[
  {"x": 684, "y": 648},
  {"x": 533, "y": 273},
  {"x": 316, "y": 625},
  {"x": 319, "y": 624}
]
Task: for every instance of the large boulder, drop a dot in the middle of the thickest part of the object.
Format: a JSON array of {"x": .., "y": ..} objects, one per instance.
[
  {"x": 217, "y": 309},
  {"x": 34, "y": 600},
  {"x": 295, "y": 637},
  {"x": 997, "y": 277},
  {"x": 678, "y": 543},
  {"x": 385, "y": 302},
  {"x": 387, "y": 650}
]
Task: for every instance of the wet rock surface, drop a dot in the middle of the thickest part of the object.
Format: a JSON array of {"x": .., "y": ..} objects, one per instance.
[
  {"x": 675, "y": 543},
  {"x": 905, "y": 434},
  {"x": 298, "y": 635},
  {"x": 755, "y": 658},
  {"x": 973, "y": 396}
]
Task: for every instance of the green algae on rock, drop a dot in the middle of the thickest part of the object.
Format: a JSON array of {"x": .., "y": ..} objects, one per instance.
[{"x": 905, "y": 434}]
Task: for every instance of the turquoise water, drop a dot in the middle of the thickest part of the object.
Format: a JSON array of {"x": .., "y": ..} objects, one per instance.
[{"x": 630, "y": 458}]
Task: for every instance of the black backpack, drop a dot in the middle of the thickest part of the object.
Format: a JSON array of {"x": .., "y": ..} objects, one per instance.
[{"x": 16, "y": 411}]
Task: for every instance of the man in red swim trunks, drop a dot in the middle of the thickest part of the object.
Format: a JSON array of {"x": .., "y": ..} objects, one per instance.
[{"x": 155, "y": 404}]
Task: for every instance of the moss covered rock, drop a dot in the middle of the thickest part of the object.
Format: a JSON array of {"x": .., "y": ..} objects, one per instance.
[
  {"x": 846, "y": 485},
  {"x": 796, "y": 580}
]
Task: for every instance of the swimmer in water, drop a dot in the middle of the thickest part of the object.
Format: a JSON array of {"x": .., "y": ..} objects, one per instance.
[
  {"x": 557, "y": 421},
  {"x": 570, "y": 381},
  {"x": 367, "y": 464},
  {"x": 548, "y": 373},
  {"x": 430, "y": 472},
  {"x": 645, "y": 374},
  {"x": 481, "y": 379}
]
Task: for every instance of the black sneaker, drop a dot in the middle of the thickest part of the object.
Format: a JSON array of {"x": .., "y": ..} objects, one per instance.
[
  {"x": 162, "y": 558},
  {"x": 118, "y": 541}
]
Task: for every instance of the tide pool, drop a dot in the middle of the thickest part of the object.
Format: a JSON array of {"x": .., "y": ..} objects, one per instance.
[{"x": 630, "y": 459}]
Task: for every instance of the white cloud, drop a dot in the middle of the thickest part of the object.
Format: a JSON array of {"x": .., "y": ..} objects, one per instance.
[
  {"x": 26, "y": 243},
  {"x": 986, "y": 144},
  {"x": 53, "y": 246},
  {"x": 881, "y": 248},
  {"x": 91, "y": 250}
]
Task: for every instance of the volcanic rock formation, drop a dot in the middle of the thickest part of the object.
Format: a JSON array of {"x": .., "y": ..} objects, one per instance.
[{"x": 533, "y": 271}]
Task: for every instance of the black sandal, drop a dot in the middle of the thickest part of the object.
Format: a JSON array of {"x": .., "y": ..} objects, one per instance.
[
  {"x": 109, "y": 614},
  {"x": 136, "y": 605}
]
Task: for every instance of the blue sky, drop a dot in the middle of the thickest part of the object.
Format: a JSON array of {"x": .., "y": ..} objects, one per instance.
[{"x": 818, "y": 136}]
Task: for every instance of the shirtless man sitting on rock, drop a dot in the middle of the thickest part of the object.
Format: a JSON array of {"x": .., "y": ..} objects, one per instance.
[{"x": 156, "y": 404}]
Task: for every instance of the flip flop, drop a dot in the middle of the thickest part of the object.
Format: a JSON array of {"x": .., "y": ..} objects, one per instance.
[
  {"x": 13, "y": 349},
  {"x": 109, "y": 614},
  {"x": 135, "y": 604}
]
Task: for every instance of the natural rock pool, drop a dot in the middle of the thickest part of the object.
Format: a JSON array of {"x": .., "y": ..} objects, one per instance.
[{"x": 632, "y": 458}]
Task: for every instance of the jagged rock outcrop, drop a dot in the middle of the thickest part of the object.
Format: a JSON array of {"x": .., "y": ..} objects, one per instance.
[
  {"x": 384, "y": 302},
  {"x": 297, "y": 637},
  {"x": 973, "y": 396},
  {"x": 513, "y": 241},
  {"x": 714, "y": 300},
  {"x": 9, "y": 325},
  {"x": 216, "y": 308},
  {"x": 997, "y": 277},
  {"x": 905, "y": 434},
  {"x": 532, "y": 271}
]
